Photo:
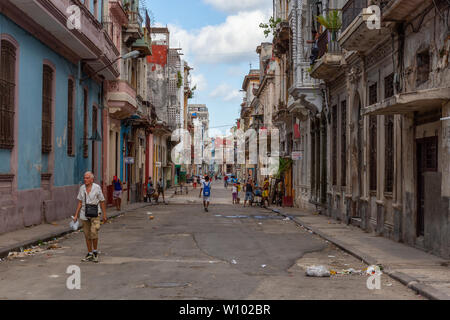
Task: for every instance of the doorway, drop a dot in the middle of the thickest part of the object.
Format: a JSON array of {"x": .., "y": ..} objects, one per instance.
[{"x": 427, "y": 160}]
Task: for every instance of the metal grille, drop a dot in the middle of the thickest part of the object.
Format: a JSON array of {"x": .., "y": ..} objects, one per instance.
[
  {"x": 351, "y": 10},
  {"x": 70, "y": 117},
  {"x": 85, "y": 124},
  {"x": 47, "y": 101},
  {"x": 343, "y": 142},
  {"x": 389, "y": 153},
  {"x": 373, "y": 152},
  {"x": 335, "y": 145},
  {"x": 373, "y": 97},
  {"x": 7, "y": 94},
  {"x": 389, "y": 86}
]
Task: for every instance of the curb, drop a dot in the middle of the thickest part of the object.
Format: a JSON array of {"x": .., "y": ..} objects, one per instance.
[
  {"x": 4, "y": 251},
  {"x": 410, "y": 282}
]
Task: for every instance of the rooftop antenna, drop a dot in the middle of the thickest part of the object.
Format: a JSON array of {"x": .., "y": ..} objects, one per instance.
[{"x": 250, "y": 66}]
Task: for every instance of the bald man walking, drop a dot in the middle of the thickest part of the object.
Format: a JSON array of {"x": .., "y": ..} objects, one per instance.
[{"x": 90, "y": 196}]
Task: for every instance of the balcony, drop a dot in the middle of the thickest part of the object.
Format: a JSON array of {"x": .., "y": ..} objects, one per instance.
[
  {"x": 122, "y": 99},
  {"x": 401, "y": 10},
  {"x": 281, "y": 38},
  {"x": 118, "y": 11},
  {"x": 356, "y": 35},
  {"x": 47, "y": 20},
  {"x": 133, "y": 30},
  {"x": 329, "y": 58},
  {"x": 408, "y": 102},
  {"x": 144, "y": 44}
]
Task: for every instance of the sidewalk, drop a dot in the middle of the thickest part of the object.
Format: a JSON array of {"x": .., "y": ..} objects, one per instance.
[
  {"x": 13, "y": 241},
  {"x": 427, "y": 274}
]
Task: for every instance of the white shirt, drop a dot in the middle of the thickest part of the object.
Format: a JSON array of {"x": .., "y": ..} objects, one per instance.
[
  {"x": 94, "y": 197},
  {"x": 234, "y": 190}
]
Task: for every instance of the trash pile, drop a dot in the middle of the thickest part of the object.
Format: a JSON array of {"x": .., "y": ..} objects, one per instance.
[
  {"x": 33, "y": 250},
  {"x": 322, "y": 271}
]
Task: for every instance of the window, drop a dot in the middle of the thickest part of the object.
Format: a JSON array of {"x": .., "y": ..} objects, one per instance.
[
  {"x": 85, "y": 124},
  {"x": 96, "y": 8},
  {"x": 389, "y": 153},
  {"x": 373, "y": 152},
  {"x": 343, "y": 142},
  {"x": 7, "y": 94},
  {"x": 70, "y": 103},
  {"x": 373, "y": 96},
  {"x": 423, "y": 67},
  {"x": 47, "y": 102},
  {"x": 94, "y": 134},
  {"x": 389, "y": 86},
  {"x": 334, "y": 156}
]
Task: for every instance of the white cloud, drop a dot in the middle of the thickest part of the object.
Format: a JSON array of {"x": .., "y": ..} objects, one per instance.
[
  {"x": 226, "y": 93},
  {"x": 234, "y": 6},
  {"x": 233, "y": 41},
  {"x": 199, "y": 80}
]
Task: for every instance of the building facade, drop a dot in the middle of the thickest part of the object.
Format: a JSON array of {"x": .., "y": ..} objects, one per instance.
[{"x": 387, "y": 147}]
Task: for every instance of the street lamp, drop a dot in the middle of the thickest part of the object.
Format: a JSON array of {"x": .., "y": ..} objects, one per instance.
[{"x": 130, "y": 55}]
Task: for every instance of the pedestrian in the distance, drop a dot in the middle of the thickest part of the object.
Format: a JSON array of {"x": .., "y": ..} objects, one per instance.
[
  {"x": 234, "y": 193},
  {"x": 195, "y": 182},
  {"x": 150, "y": 190},
  {"x": 206, "y": 188},
  {"x": 161, "y": 190},
  {"x": 248, "y": 192},
  {"x": 91, "y": 205},
  {"x": 117, "y": 193}
]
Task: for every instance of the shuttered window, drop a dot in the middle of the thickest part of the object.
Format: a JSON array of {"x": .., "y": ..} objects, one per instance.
[
  {"x": 334, "y": 156},
  {"x": 389, "y": 86},
  {"x": 7, "y": 94},
  {"x": 85, "y": 124},
  {"x": 373, "y": 96},
  {"x": 373, "y": 152},
  {"x": 343, "y": 142},
  {"x": 70, "y": 104},
  {"x": 47, "y": 102},
  {"x": 389, "y": 153}
]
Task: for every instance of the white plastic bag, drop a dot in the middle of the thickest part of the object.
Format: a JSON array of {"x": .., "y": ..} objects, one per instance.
[
  {"x": 74, "y": 225},
  {"x": 317, "y": 271}
]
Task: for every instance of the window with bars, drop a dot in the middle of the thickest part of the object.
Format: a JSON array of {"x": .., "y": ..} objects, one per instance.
[
  {"x": 389, "y": 153},
  {"x": 70, "y": 103},
  {"x": 47, "y": 101},
  {"x": 343, "y": 143},
  {"x": 334, "y": 115},
  {"x": 389, "y": 86},
  {"x": 85, "y": 124},
  {"x": 7, "y": 94},
  {"x": 373, "y": 153},
  {"x": 373, "y": 95}
]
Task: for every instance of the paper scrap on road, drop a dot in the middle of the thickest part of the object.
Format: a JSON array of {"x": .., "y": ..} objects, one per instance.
[
  {"x": 233, "y": 261},
  {"x": 53, "y": 276},
  {"x": 263, "y": 266},
  {"x": 317, "y": 271},
  {"x": 331, "y": 257}
]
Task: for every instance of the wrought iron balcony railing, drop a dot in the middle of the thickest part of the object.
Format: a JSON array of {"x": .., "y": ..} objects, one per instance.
[{"x": 351, "y": 10}]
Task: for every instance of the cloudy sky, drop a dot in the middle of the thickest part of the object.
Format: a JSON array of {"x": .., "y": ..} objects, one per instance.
[{"x": 219, "y": 40}]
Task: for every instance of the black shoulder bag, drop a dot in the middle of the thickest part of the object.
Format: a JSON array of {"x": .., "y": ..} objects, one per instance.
[{"x": 90, "y": 210}]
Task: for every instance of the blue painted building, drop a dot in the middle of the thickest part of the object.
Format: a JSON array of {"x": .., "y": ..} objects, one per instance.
[{"x": 51, "y": 107}]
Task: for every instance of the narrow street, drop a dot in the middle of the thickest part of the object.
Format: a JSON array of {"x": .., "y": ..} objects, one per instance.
[{"x": 230, "y": 252}]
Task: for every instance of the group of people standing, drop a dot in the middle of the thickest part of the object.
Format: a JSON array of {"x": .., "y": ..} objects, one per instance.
[{"x": 253, "y": 192}]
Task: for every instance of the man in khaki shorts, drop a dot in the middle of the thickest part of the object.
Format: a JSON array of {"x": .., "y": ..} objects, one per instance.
[{"x": 90, "y": 193}]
